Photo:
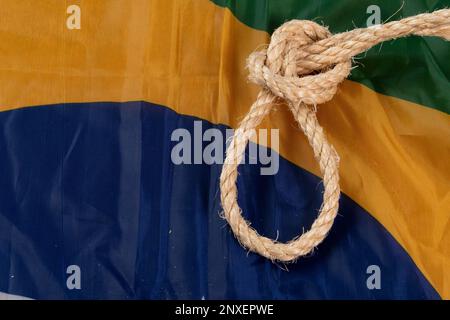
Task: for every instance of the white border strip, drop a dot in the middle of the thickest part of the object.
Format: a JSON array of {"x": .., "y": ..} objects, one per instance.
[{"x": 7, "y": 296}]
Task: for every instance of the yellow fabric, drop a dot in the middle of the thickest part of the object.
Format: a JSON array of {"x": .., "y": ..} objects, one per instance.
[{"x": 190, "y": 56}]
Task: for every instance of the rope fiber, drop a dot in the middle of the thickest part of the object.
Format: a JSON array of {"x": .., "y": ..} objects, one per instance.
[{"x": 303, "y": 65}]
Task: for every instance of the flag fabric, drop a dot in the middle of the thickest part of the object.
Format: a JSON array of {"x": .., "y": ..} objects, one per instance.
[{"x": 93, "y": 207}]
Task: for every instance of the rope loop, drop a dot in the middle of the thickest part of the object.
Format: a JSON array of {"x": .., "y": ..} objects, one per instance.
[{"x": 304, "y": 65}]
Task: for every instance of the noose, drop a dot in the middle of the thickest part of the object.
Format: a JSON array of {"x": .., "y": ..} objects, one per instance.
[{"x": 303, "y": 65}]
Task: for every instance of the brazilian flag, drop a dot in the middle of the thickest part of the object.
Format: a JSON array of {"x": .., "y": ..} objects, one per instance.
[{"x": 92, "y": 207}]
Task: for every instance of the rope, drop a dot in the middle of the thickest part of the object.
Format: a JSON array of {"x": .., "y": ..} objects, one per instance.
[{"x": 303, "y": 65}]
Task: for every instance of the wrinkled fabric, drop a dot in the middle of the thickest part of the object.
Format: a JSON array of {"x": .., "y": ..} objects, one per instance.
[{"x": 87, "y": 178}]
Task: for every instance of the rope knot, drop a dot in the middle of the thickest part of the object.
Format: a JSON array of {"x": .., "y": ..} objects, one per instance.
[{"x": 291, "y": 70}]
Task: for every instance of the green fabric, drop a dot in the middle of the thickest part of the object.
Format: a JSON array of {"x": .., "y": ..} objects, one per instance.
[{"x": 414, "y": 68}]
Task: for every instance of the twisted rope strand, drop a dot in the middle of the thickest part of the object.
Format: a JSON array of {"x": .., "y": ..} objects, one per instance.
[{"x": 304, "y": 65}]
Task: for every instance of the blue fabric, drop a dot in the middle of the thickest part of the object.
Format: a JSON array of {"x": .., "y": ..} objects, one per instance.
[{"x": 93, "y": 185}]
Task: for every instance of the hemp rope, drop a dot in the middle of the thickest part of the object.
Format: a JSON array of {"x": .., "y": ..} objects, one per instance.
[{"x": 303, "y": 65}]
